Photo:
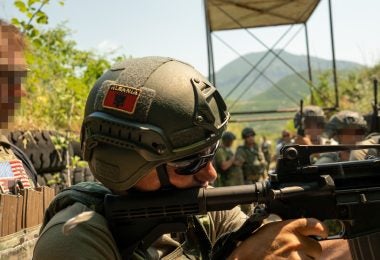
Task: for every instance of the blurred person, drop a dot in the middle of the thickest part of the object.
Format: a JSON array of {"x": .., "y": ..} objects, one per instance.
[
  {"x": 347, "y": 127},
  {"x": 229, "y": 173},
  {"x": 18, "y": 172},
  {"x": 313, "y": 122},
  {"x": 284, "y": 140},
  {"x": 250, "y": 157}
]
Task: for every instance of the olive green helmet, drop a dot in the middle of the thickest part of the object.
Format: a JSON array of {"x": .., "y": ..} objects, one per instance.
[
  {"x": 345, "y": 120},
  {"x": 314, "y": 113},
  {"x": 228, "y": 136},
  {"x": 248, "y": 131},
  {"x": 145, "y": 112}
]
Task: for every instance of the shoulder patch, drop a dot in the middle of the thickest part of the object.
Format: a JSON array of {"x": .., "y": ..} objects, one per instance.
[{"x": 121, "y": 98}]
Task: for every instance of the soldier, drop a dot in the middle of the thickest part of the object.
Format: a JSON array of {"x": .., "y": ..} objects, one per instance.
[
  {"x": 16, "y": 171},
  {"x": 347, "y": 127},
  {"x": 250, "y": 157},
  {"x": 225, "y": 163},
  {"x": 313, "y": 123},
  {"x": 285, "y": 139},
  {"x": 372, "y": 138},
  {"x": 153, "y": 123}
]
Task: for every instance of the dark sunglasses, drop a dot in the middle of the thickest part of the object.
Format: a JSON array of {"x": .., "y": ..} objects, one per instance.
[{"x": 191, "y": 164}]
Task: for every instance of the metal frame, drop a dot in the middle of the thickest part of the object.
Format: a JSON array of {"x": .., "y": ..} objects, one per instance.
[{"x": 309, "y": 81}]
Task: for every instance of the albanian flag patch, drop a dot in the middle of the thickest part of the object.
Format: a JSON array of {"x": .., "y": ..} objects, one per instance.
[{"x": 121, "y": 98}]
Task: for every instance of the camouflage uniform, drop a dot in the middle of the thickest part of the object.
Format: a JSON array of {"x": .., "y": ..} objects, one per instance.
[
  {"x": 231, "y": 176},
  {"x": 253, "y": 162}
]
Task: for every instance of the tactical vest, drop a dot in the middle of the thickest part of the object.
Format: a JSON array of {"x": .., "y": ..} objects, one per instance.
[
  {"x": 227, "y": 154},
  {"x": 253, "y": 165}
]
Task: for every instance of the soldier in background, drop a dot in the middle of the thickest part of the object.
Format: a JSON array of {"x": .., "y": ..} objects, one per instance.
[
  {"x": 313, "y": 123},
  {"x": 250, "y": 157},
  {"x": 347, "y": 127},
  {"x": 229, "y": 173},
  {"x": 373, "y": 137},
  {"x": 284, "y": 140}
]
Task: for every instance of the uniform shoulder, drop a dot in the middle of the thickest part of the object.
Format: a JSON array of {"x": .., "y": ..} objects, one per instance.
[{"x": 91, "y": 236}]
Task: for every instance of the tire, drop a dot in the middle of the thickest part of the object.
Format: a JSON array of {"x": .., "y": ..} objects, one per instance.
[
  {"x": 40, "y": 149},
  {"x": 79, "y": 174},
  {"x": 76, "y": 149}
]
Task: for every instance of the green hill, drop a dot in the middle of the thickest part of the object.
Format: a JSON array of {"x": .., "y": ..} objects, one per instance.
[{"x": 228, "y": 76}]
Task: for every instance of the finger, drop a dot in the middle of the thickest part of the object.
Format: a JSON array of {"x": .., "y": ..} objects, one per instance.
[
  {"x": 299, "y": 255},
  {"x": 310, "y": 247},
  {"x": 309, "y": 227}
]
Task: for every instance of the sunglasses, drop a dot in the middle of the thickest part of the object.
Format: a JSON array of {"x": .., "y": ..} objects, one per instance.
[{"x": 191, "y": 164}]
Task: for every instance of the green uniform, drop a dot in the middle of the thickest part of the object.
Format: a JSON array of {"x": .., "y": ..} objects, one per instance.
[
  {"x": 93, "y": 240},
  {"x": 231, "y": 176},
  {"x": 253, "y": 162}
]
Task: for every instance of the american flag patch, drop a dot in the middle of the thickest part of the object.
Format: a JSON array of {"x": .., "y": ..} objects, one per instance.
[
  {"x": 121, "y": 98},
  {"x": 11, "y": 171}
]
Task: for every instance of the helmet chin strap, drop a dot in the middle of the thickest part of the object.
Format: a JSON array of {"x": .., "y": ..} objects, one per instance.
[{"x": 163, "y": 177}]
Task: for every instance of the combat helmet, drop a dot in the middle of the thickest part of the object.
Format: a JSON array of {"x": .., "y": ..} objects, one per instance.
[
  {"x": 145, "y": 112},
  {"x": 228, "y": 136},
  {"x": 310, "y": 113},
  {"x": 345, "y": 120},
  {"x": 248, "y": 131}
]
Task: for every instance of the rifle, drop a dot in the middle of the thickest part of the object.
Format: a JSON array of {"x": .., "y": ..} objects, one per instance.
[
  {"x": 301, "y": 129},
  {"x": 346, "y": 191},
  {"x": 375, "y": 110}
]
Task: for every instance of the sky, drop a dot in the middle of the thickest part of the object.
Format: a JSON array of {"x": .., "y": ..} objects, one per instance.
[{"x": 176, "y": 28}]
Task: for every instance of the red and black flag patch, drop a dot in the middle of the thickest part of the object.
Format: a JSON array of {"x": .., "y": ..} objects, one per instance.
[{"x": 121, "y": 98}]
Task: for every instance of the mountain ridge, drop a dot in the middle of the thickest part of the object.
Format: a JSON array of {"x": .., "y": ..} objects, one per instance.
[{"x": 231, "y": 74}]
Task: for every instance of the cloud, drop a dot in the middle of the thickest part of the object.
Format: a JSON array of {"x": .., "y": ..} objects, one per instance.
[{"x": 108, "y": 46}]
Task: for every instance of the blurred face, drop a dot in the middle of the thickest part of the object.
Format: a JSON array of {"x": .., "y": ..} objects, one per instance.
[
  {"x": 349, "y": 136},
  {"x": 313, "y": 128},
  {"x": 250, "y": 139},
  {"x": 228, "y": 143},
  {"x": 286, "y": 137},
  {"x": 12, "y": 74},
  {"x": 201, "y": 178}
]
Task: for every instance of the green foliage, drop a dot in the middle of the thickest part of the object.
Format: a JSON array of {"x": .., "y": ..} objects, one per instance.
[
  {"x": 60, "y": 75},
  {"x": 61, "y": 79}
]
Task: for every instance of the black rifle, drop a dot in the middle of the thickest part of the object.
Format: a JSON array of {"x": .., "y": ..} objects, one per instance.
[
  {"x": 347, "y": 191},
  {"x": 301, "y": 128},
  {"x": 375, "y": 110}
]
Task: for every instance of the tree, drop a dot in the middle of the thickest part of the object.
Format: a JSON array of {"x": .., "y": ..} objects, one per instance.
[{"x": 60, "y": 75}]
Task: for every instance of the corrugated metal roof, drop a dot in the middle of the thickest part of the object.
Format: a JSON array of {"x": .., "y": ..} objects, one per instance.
[{"x": 235, "y": 14}]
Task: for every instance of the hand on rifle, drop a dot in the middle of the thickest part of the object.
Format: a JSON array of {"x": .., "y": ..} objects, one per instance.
[{"x": 283, "y": 240}]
